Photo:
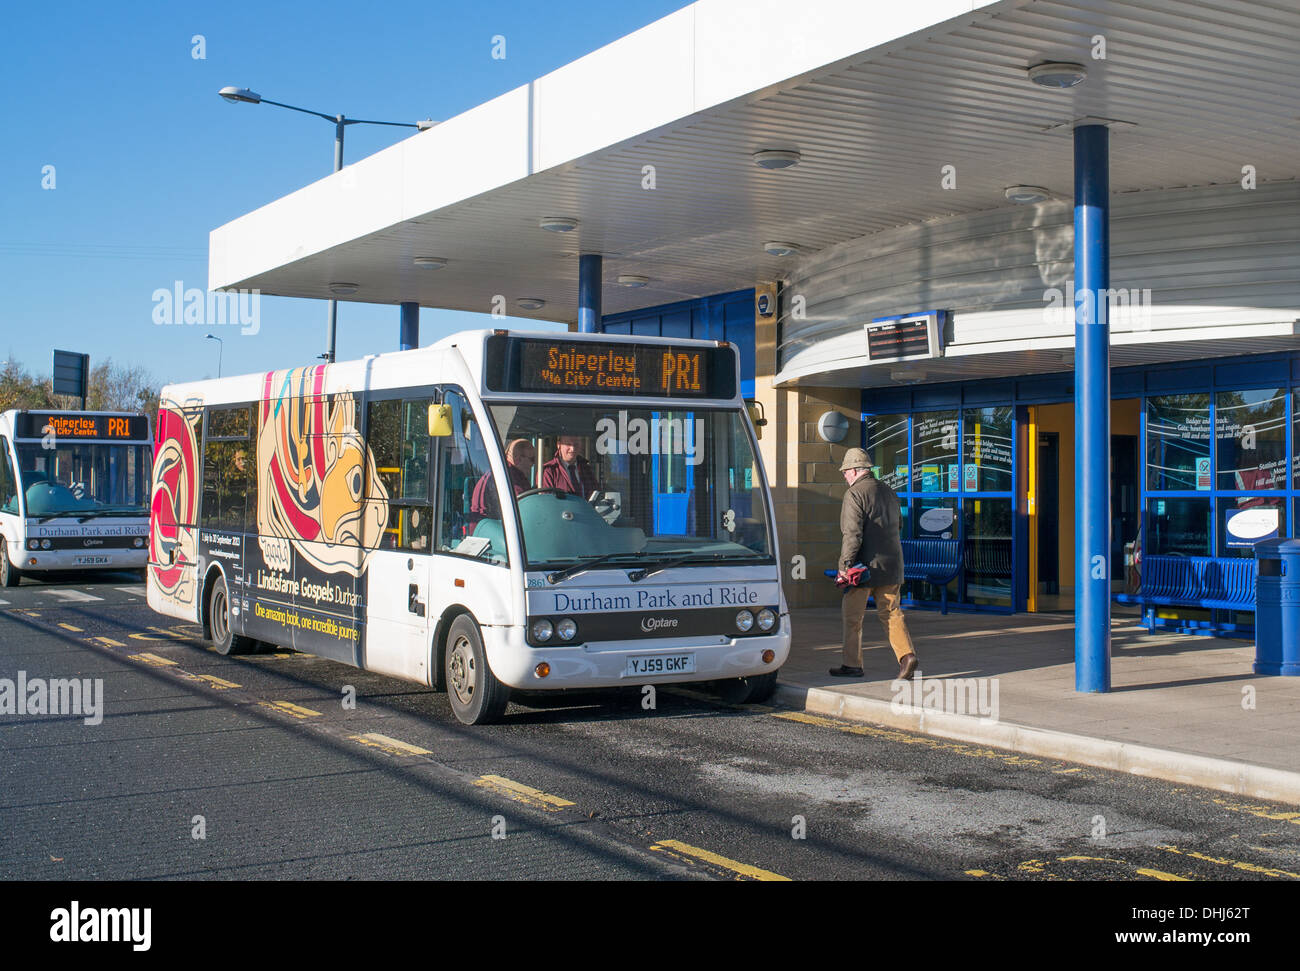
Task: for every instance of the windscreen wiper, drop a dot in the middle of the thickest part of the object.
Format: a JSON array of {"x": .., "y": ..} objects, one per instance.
[
  {"x": 588, "y": 564},
  {"x": 636, "y": 576}
]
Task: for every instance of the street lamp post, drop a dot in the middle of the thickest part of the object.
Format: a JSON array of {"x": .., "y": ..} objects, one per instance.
[
  {"x": 221, "y": 350},
  {"x": 236, "y": 95}
]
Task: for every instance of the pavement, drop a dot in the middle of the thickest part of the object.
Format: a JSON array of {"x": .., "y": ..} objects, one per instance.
[{"x": 1181, "y": 708}]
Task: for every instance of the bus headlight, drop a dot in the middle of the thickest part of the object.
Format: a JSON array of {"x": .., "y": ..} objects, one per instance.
[
  {"x": 766, "y": 619},
  {"x": 45, "y": 544},
  {"x": 33, "y": 544},
  {"x": 542, "y": 630},
  {"x": 567, "y": 629},
  {"x": 744, "y": 620},
  {"x": 139, "y": 542}
]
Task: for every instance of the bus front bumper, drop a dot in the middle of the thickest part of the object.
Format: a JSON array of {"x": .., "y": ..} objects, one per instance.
[
  {"x": 612, "y": 664},
  {"x": 34, "y": 561}
]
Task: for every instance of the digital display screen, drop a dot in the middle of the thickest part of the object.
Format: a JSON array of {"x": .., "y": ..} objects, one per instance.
[
  {"x": 604, "y": 368},
  {"x": 898, "y": 338},
  {"x": 125, "y": 428}
]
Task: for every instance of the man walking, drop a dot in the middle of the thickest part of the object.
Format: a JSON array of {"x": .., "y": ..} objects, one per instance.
[{"x": 869, "y": 522}]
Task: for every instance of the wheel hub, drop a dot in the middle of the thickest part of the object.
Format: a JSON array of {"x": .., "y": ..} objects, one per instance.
[{"x": 460, "y": 670}]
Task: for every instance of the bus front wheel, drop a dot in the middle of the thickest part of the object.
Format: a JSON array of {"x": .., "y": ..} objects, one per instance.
[
  {"x": 224, "y": 639},
  {"x": 748, "y": 691},
  {"x": 10, "y": 575},
  {"x": 477, "y": 697}
]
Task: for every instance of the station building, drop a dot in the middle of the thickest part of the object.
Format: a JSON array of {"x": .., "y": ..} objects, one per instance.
[{"x": 877, "y": 203}]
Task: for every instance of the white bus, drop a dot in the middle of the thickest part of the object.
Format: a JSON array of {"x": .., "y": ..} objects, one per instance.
[
  {"x": 74, "y": 492},
  {"x": 499, "y": 511}
]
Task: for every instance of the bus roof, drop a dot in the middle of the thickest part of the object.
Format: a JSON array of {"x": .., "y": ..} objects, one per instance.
[{"x": 461, "y": 354}]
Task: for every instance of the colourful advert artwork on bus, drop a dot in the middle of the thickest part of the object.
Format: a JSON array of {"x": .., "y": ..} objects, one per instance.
[
  {"x": 174, "y": 505},
  {"x": 317, "y": 484}
]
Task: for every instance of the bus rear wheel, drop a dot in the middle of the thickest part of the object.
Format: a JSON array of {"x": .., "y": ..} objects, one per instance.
[
  {"x": 223, "y": 639},
  {"x": 477, "y": 697},
  {"x": 10, "y": 575}
]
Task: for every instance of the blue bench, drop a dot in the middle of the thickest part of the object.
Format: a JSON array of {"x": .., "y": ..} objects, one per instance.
[
  {"x": 936, "y": 561},
  {"x": 1207, "y": 582}
]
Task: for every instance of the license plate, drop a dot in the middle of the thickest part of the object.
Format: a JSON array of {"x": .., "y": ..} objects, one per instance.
[
  {"x": 93, "y": 560},
  {"x": 661, "y": 664}
]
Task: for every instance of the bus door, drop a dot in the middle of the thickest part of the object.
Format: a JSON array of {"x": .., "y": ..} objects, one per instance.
[{"x": 399, "y": 609}]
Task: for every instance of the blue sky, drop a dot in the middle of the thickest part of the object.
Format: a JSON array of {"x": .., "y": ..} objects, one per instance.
[{"x": 148, "y": 159}]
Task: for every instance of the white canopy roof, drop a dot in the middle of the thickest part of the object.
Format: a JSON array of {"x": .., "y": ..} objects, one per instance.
[{"x": 876, "y": 97}]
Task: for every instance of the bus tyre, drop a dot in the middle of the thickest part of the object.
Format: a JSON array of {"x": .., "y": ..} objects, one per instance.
[
  {"x": 477, "y": 697},
  {"x": 223, "y": 639},
  {"x": 748, "y": 691},
  {"x": 10, "y": 575}
]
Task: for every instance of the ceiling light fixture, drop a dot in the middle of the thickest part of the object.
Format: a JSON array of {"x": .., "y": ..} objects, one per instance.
[
  {"x": 531, "y": 303},
  {"x": 559, "y": 224},
  {"x": 343, "y": 289},
  {"x": 780, "y": 249},
  {"x": 1057, "y": 74},
  {"x": 429, "y": 262},
  {"x": 1026, "y": 195},
  {"x": 776, "y": 158},
  {"x": 631, "y": 280}
]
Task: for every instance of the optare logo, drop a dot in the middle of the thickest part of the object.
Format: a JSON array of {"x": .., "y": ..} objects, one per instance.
[
  {"x": 92, "y": 541},
  {"x": 652, "y": 624}
]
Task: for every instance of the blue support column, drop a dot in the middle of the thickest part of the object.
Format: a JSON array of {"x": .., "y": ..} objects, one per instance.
[
  {"x": 1092, "y": 524},
  {"x": 409, "y": 335},
  {"x": 589, "y": 273}
]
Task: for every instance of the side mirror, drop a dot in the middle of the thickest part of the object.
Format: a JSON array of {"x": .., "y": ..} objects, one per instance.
[
  {"x": 755, "y": 410},
  {"x": 439, "y": 421}
]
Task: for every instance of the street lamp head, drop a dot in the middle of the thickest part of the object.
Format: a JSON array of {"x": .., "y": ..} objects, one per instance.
[
  {"x": 212, "y": 337},
  {"x": 425, "y": 125},
  {"x": 235, "y": 95}
]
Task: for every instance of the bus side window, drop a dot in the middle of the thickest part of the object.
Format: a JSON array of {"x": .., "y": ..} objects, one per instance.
[
  {"x": 397, "y": 433},
  {"x": 8, "y": 481},
  {"x": 464, "y": 472}
]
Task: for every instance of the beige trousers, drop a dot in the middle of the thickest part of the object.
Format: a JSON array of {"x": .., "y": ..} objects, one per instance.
[{"x": 891, "y": 619}]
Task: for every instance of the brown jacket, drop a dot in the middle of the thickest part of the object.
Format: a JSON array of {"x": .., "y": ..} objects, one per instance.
[{"x": 870, "y": 521}]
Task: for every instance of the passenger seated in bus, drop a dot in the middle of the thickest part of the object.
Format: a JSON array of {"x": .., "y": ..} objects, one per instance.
[
  {"x": 520, "y": 458},
  {"x": 569, "y": 471}
]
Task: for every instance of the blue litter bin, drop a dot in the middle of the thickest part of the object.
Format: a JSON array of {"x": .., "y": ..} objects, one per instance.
[{"x": 1277, "y": 607}]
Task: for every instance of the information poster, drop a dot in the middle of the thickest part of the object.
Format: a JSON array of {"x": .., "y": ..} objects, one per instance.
[{"x": 1203, "y": 475}]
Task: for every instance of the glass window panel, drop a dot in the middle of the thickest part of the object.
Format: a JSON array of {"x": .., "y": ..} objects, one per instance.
[
  {"x": 887, "y": 446},
  {"x": 989, "y": 564},
  {"x": 1178, "y": 442},
  {"x": 1179, "y": 526},
  {"x": 987, "y": 451},
  {"x": 934, "y": 452},
  {"x": 463, "y": 526},
  {"x": 929, "y": 518},
  {"x": 1250, "y": 438},
  {"x": 1247, "y": 520},
  {"x": 8, "y": 481},
  {"x": 935, "y": 518},
  {"x": 1295, "y": 441}
]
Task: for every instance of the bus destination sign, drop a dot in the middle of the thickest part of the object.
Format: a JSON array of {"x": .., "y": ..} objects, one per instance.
[
  {"x": 72, "y": 426},
  {"x": 591, "y": 367}
]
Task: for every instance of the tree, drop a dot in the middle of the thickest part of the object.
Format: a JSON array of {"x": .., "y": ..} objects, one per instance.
[
  {"x": 19, "y": 388},
  {"x": 118, "y": 387}
]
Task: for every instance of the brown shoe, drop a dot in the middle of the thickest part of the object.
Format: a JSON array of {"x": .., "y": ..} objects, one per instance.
[{"x": 906, "y": 667}]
